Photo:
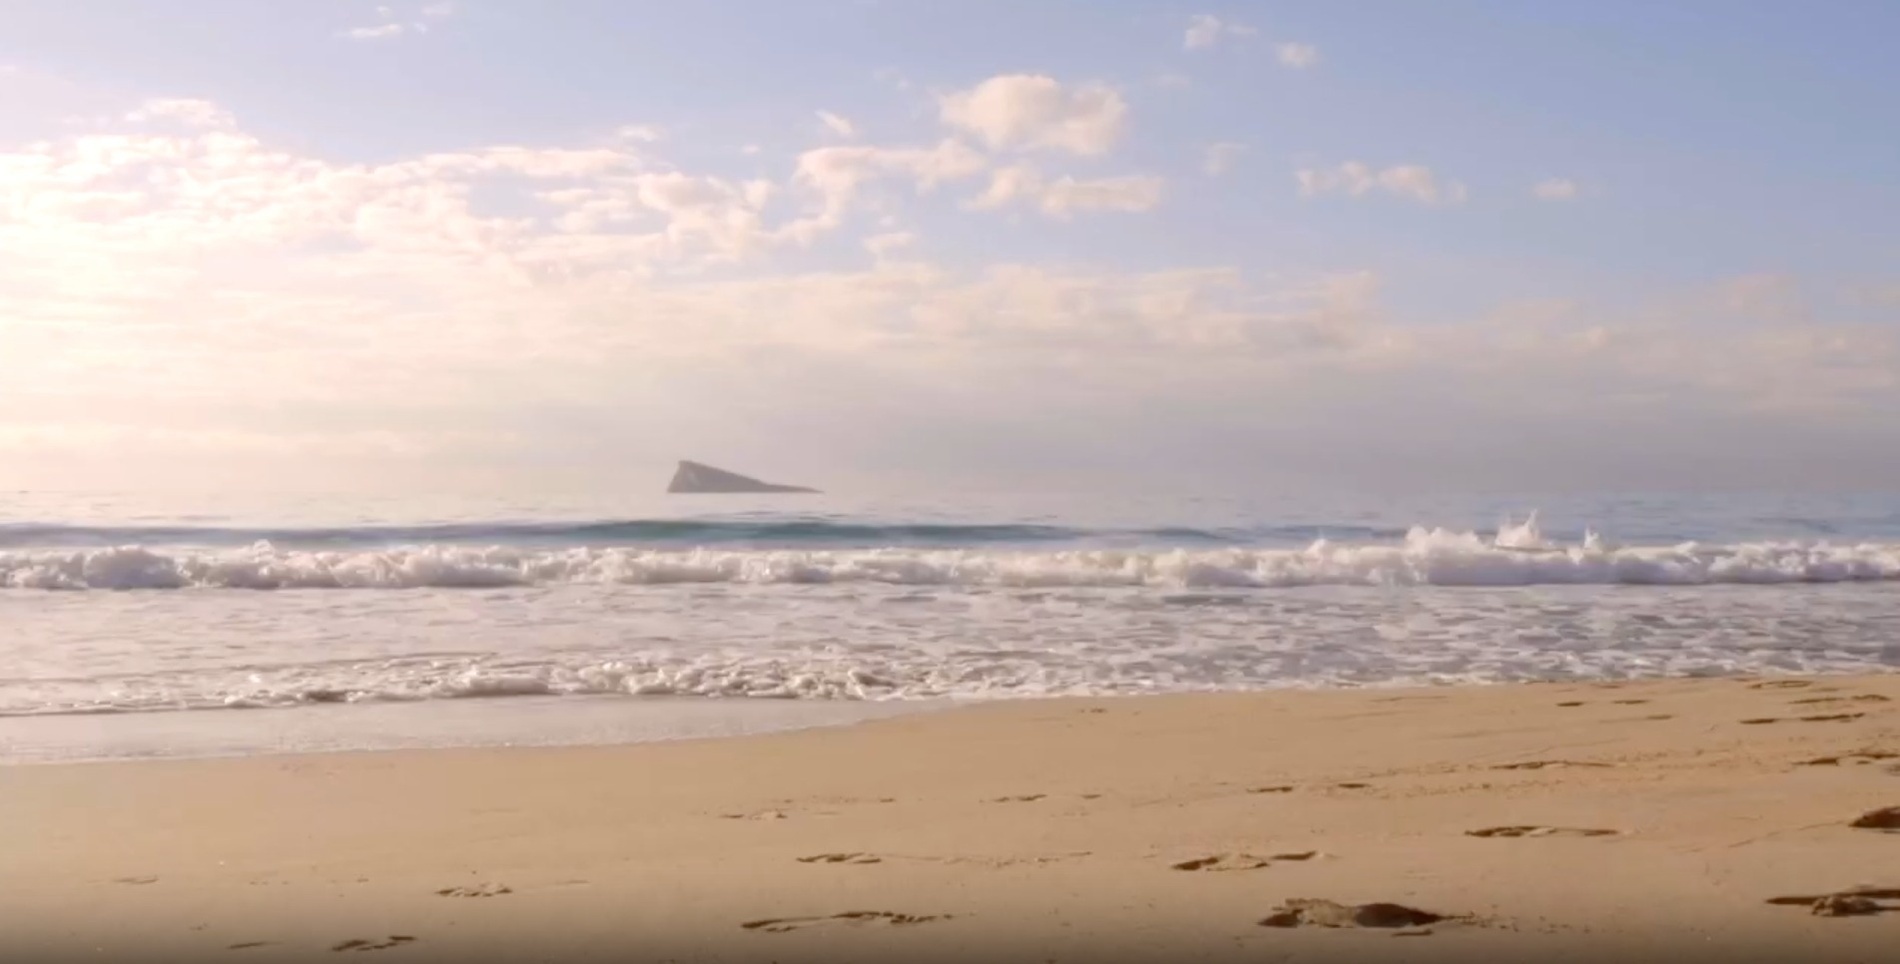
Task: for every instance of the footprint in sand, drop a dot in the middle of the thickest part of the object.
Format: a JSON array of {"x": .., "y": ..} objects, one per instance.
[
  {"x": 850, "y": 858},
  {"x": 1530, "y": 831},
  {"x": 1863, "y": 698},
  {"x": 1025, "y": 798},
  {"x": 1886, "y": 818},
  {"x": 1220, "y": 862},
  {"x": 1224, "y": 862},
  {"x": 1857, "y": 758},
  {"x": 1629, "y": 702},
  {"x": 1547, "y": 765},
  {"x": 1571, "y": 703},
  {"x": 1351, "y": 786},
  {"x": 358, "y": 944},
  {"x": 1316, "y": 912},
  {"x": 779, "y": 925},
  {"x": 247, "y": 945},
  {"x": 1848, "y": 905},
  {"x": 760, "y": 815},
  {"x": 1780, "y": 684},
  {"x": 135, "y": 881},
  {"x": 478, "y": 890},
  {"x": 1852, "y": 902},
  {"x": 1278, "y": 789},
  {"x": 994, "y": 863},
  {"x": 999, "y": 863},
  {"x": 1822, "y": 718}
]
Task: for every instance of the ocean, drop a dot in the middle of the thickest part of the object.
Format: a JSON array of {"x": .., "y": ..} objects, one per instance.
[{"x": 137, "y": 626}]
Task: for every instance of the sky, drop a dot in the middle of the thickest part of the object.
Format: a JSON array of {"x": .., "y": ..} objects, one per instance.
[{"x": 1471, "y": 244}]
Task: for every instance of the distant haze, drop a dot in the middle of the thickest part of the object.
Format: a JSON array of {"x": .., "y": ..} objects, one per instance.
[{"x": 885, "y": 246}]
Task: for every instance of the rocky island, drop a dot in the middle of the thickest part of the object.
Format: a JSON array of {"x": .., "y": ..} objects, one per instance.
[{"x": 694, "y": 478}]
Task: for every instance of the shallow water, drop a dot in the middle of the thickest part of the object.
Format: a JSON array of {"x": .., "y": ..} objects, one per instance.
[{"x": 119, "y": 605}]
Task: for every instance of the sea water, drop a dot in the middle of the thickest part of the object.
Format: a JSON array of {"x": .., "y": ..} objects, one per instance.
[{"x": 139, "y": 626}]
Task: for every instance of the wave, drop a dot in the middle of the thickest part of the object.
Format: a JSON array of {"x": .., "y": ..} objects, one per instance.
[{"x": 1516, "y": 555}]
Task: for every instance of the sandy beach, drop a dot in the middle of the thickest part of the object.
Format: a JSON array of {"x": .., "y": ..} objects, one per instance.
[{"x": 1555, "y": 822}]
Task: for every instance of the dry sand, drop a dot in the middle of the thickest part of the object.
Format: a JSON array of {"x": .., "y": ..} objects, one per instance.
[{"x": 1661, "y": 824}]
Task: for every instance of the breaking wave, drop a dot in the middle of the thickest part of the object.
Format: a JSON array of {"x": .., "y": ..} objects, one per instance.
[{"x": 1516, "y": 555}]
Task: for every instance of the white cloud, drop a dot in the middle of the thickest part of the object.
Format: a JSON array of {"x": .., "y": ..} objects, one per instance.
[
  {"x": 1007, "y": 186},
  {"x": 393, "y": 26},
  {"x": 1297, "y": 55},
  {"x": 191, "y": 296},
  {"x": 840, "y": 170},
  {"x": 837, "y": 124},
  {"x": 1555, "y": 189},
  {"x": 640, "y": 133},
  {"x": 1357, "y": 179},
  {"x": 1206, "y": 30},
  {"x": 1067, "y": 196},
  {"x": 882, "y": 246},
  {"x": 1035, "y": 111},
  {"x": 837, "y": 175},
  {"x": 186, "y": 111},
  {"x": 387, "y": 31},
  {"x": 1217, "y": 159}
]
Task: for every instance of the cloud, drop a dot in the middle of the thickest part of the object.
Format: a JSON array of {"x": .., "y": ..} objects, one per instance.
[
  {"x": 1297, "y": 55},
  {"x": 836, "y": 176},
  {"x": 385, "y": 31},
  {"x": 882, "y": 246},
  {"x": 187, "y": 297},
  {"x": 709, "y": 218},
  {"x": 1219, "y": 158},
  {"x": 1357, "y": 179},
  {"x": 1205, "y": 30},
  {"x": 838, "y": 125},
  {"x": 1173, "y": 81},
  {"x": 1036, "y": 112},
  {"x": 1555, "y": 189},
  {"x": 1066, "y": 196},
  {"x": 393, "y": 26},
  {"x": 186, "y": 111},
  {"x": 640, "y": 133}
]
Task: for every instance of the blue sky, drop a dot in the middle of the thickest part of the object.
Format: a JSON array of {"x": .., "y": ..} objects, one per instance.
[{"x": 1661, "y": 234}]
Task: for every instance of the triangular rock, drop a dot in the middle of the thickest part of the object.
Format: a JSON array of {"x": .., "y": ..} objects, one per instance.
[{"x": 693, "y": 477}]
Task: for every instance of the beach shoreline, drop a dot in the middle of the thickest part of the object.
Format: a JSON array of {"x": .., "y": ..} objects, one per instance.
[
  {"x": 1557, "y": 821},
  {"x": 418, "y": 726}
]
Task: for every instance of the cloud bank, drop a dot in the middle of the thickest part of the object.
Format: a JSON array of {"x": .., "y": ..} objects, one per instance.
[{"x": 183, "y": 296}]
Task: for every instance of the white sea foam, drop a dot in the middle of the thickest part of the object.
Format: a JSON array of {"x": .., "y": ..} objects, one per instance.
[
  {"x": 1519, "y": 555},
  {"x": 909, "y": 623}
]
